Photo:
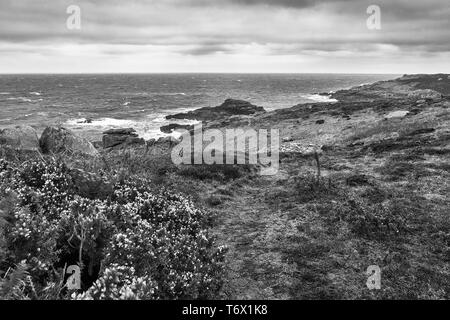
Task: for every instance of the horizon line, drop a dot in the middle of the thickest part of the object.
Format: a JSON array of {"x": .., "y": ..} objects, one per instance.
[{"x": 192, "y": 72}]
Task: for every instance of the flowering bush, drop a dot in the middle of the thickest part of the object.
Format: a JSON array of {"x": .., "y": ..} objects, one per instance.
[{"x": 136, "y": 243}]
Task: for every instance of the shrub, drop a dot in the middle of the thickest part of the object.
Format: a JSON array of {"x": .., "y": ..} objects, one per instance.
[
  {"x": 379, "y": 221},
  {"x": 396, "y": 171},
  {"x": 214, "y": 201},
  {"x": 133, "y": 244},
  {"x": 12, "y": 285},
  {"x": 356, "y": 180},
  {"x": 220, "y": 172},
  {"x": 308, "y": 188},
  {"x": 139, "y": 163}
]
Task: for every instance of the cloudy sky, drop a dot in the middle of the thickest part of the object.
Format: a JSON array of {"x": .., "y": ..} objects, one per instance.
[{"x": 224, "y": 36}]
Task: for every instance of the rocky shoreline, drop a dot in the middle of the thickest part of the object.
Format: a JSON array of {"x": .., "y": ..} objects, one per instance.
[
  {"x": 375, "y": 192},
  {"x": 402, "y": 97}
]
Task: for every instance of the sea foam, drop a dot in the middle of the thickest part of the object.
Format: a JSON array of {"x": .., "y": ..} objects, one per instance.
[{"x": 319, "y": 98}]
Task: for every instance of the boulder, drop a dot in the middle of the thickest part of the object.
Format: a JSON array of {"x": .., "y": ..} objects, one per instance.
[
  {"x": 230, "y": 107},
  {"x": 170, "y": 141},
  {"x": 115, "y": 140},
  {"x": 161, "y": 146},
  {"x": 119, "y": 138},
  {"x": 20, "y": 137},
  {"x": 62, "y": 140},
  {"x": 85, "y": 121},
  {"x": 122, "y": 131},
  {"x": 97, "y": 144},
  {"x": 397, "y": 114},
  {"x": 174, "y": 126}
]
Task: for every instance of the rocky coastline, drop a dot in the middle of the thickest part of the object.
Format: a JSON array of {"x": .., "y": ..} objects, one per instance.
[
  {"x": 403, "y": 97},
  {"x": 362, "y": 181}
]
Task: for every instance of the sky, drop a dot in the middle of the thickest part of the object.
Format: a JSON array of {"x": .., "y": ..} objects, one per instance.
[{"x": 236, "y": 36}]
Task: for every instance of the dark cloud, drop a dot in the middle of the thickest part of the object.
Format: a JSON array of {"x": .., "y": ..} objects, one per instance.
[
  {"x": 206, "y": 27},
  {"x": 207, "y": 49},
  {"x": 290, "y": 3},
  {"x": 283, "y": 3}
]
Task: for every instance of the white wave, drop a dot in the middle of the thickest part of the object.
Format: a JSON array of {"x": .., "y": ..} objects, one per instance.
[
  {"x": 23, "y": 99},
  {"x": 147, "y": 128},
  {"x": 5, "y": 93},
  {"x": 168, "y": 94},
  {"x": 100, "y": 123},
  {"x": 188, "y": 122},
  {"x": 160, "y": 120},
  {"x": 126, "y": 104},
  {"x": 319, "y": 98},
  {"x": 34, "y": 93},
  {"x": 156, "y": 118}
]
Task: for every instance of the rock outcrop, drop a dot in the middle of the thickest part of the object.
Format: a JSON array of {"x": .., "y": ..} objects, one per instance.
[
  {"x": 230, "y": 107},
  {"x": 62, "y": 140},
  {"x": 174, "y": 126},
  {"x": 20, "y": 137},
  {"x": 428, "y": 87},
  {"x": 120, "y": 138},
  {"x": 162, "y": 145}
]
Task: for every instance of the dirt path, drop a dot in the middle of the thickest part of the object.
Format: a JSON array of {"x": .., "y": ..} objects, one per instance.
[{"x": 251, "y": 229}]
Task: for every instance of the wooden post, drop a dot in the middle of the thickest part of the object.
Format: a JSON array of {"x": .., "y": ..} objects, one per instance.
[{"x": 316, "y": 156}]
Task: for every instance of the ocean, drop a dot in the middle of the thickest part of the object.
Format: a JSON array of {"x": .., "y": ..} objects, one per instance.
[{"x": 142, "y": 101}]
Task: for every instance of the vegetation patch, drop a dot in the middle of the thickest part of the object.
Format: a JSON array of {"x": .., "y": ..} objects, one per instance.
[
  {"x": 219, "y": 172},
  {"x": 137, "y": 243},
  {"x": 308, "y": 188}
]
